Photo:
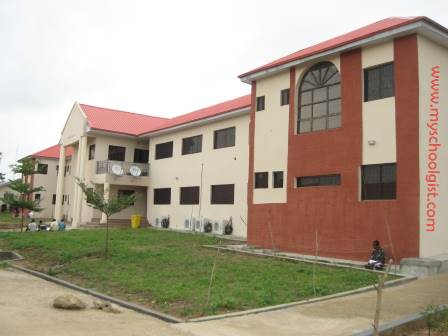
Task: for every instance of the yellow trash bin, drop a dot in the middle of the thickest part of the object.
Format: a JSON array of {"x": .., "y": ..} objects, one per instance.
[{"x": 135, "y": 221}]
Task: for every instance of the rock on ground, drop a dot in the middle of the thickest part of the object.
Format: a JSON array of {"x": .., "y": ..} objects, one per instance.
[{"x": 68, "y": 301}]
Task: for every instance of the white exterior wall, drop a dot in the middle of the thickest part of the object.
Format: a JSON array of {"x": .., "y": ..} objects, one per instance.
[
  {"x": 433, "y": 237},
  {"x": 271, "y": 137},
  {"x": 220, "y": 166},
  {"x": 378, "y": 116},
  {"x": 48, "y": 182}
]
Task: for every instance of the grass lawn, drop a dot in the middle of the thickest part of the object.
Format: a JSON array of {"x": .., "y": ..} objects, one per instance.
[
  {"x": 170, "y": 271},
  {"x": 7, "y": 218}
]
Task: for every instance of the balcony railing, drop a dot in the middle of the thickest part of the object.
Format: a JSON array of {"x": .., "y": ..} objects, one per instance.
[{"x": 122, "y": 168}]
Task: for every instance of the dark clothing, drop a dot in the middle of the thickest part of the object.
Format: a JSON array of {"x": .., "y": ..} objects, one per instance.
[{"x": 378, "y": 255}]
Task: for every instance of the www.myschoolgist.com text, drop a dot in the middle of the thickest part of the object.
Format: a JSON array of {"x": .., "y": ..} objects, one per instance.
[{"x": 433, "y": 151}]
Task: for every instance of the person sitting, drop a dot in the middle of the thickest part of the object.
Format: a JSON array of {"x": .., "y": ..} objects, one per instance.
[
  {"x": 61, "y": 225},
  {"x": 377, "y": 258},
  {"x": 54, "y": 225},
  {"x": 32, "y": 227}
]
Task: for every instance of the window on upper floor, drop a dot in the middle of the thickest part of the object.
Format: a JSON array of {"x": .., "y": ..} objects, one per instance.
[
  {"x": 164, "y": 150},
  {"x": 284, "y": 97},
  {"x": 37, "y": 197},
  {"x": 224, "y": 138},
  {"x": 162, "y": 196},
  {"x": 192, "y": 145},
  {"x": 92, "y": 152},
  {"x": 222, "y": 194},
  {"x": 260, "y": 103},
  {"x": 379, "y": 181},
  {"x": 189, "y": 195},
  {"x": 261, "y": 180},
  {"x": 116, "y": 153},
  {"x": 319, "y": 180},
  {"x": 379, "y": 82},
  {"x": 42, "y": 168},
  {"x": 277, "y": 179},
  {"x": 319, "y": 103},
  {"x": 141, "y": 155}
]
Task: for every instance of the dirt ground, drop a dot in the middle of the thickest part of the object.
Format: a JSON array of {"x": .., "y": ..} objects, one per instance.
[{"x": 25, "y": 310}]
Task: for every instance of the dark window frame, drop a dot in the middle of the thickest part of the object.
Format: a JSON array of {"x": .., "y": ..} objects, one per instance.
[
  {"x": 327, "y": 180},
  {"x": 53, "y": 200},
  {"x": 278, "y": 179},
  {"x": 229, "y": 141},
  {"x": 142, "y": 157},
  {"x": 189, "y": 195},
  {"x": 161, "y": 152},
  {"x": 384, "y": 191},
  {"x": 261, "y": 180},
  {"x": 116, "y": 153},
  {"x": 218, "y": 196},
  {"x": 42, "y": 168},
  {"x": 37, "y": 196},
  {"x": 384, "y": 78},
  {"x": 260, "y": 103},
  {"x": 328, "y": 78},
  {"x": 189, "y": 146},
  {"x": 284, "y": 97},
  {"x": 161, "y": 198},
  {"x": 92, "y": 152}
]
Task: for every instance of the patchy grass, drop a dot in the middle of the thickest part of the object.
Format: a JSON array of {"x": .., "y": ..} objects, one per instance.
[
  {"x": 7, "y": 218},
  {"x": 170, "y": 271}
]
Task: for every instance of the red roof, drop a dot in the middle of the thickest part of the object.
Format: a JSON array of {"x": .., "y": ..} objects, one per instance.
[
  {"x": 116, "y": 121},
  {"x": 52, "y": 152},
  {"x": 355, "y": 35},
  {"x": 211, "y": 111}
]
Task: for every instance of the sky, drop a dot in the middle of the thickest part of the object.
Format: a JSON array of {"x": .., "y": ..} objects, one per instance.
[{"x": 162, "y": 58}]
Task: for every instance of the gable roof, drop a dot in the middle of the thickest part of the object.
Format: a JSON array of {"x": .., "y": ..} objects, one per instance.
[
  {"x": 353, "y": 36},
  {"x": 52, "y": 152},
  {"x": 205, "y": 113},
  {"x": 116, "y": 121}
]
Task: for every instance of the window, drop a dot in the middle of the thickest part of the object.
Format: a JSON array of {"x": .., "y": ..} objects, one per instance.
[
  {"x": 92, "y": 152},
  {"x": 224, "y": 138},
  {"x": 67, "y": 170},
  {"x": 319, "y": 99},
  {"x": 37, "y": 197},
  {"x": 322, "y": 180},
  {"x": 379, "y": 181},
  {"x": 164, "y": 150},
  {"x": 53, "y": 201},
  {"x": 277, "y": 178},
  {"x": 57, "y": 170},
  {"x": 162, "y": 196},
  {"x": 192, "y": 145},
  {"x": 261, "y": 180},
  {"x": 284, "y": 97},
  {"x": 223, "y": 194},
  {"x": 260, "y": 103},
  {"x": 379, "y": 82},
  {"x": 141, "y": 155},
  {"x": 116, "y": 153},
  {"x": 42, "y": 168},
  {"x": 126, "y": 193},
  {"x": 189, "y": 195}
]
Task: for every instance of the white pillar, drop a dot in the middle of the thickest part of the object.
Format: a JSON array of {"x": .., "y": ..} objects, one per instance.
[
  {"x": 60, "y": 185},
  {"x": 106, "y": 195},
  {"x": 80, "y": 171}
]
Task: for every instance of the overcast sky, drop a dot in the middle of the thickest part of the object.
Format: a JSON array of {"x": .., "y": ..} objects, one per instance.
[{"x": 162, "y": 58}]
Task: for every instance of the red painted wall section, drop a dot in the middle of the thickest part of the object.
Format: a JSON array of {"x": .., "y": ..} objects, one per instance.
[{"x": 344, "y": 225}]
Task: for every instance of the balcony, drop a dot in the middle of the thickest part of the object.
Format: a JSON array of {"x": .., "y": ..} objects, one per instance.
[{"x": 121, "y": 168}]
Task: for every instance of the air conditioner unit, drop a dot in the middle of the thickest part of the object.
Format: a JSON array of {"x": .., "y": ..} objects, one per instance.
[
  {"x": 157, "y": 222},
  {"x": 227, "y": 227},
  {"x": 217, "y": 227},
  {"x": 165, "y": 222},
  {"x": 197, "y": 225},
  {"x": 187, "y": 224},
  {"x": 207, "y": 225}
]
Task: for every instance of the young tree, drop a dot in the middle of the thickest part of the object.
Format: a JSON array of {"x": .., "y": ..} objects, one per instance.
[
  {"x": 108, "y": 207},
  {"x": 23, "y": 199}
]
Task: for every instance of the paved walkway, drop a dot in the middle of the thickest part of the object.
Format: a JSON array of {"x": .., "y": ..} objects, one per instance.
[
  {"x": 338, "y": 317},
  {"x": 25, "y": 310}
]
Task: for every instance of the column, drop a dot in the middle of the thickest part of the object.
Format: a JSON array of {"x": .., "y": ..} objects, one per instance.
[
  {"x": 106, "y": 194},
  {"x": 81, "y": 168},
  {"x": 60, "y": 185}
]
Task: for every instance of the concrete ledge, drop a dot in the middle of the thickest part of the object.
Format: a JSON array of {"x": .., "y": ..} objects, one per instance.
[
  {"x": 397, "y": 327},
  {"x": 122, "y": 303},
  {"x": 423, "y": 267}
]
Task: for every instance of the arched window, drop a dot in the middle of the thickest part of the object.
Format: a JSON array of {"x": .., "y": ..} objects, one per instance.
[{"x": 319, "y": 99}]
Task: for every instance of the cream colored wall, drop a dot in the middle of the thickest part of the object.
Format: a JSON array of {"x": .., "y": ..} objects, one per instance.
[
  {"x": 48, "y": 181},
  {"x": 75, "y": 126},
  {"x": 67, "y": 207},
  {"x": 378, "y": 116},
  {"x": 220, "y": 166},
  {"x": 271, "y": 137},
  {"x": 430, "y": 55}
]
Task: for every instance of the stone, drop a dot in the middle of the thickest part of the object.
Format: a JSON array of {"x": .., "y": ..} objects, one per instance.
[
  {"x": 105, "y": 306},
  {"x": 69, "y": 301}
]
